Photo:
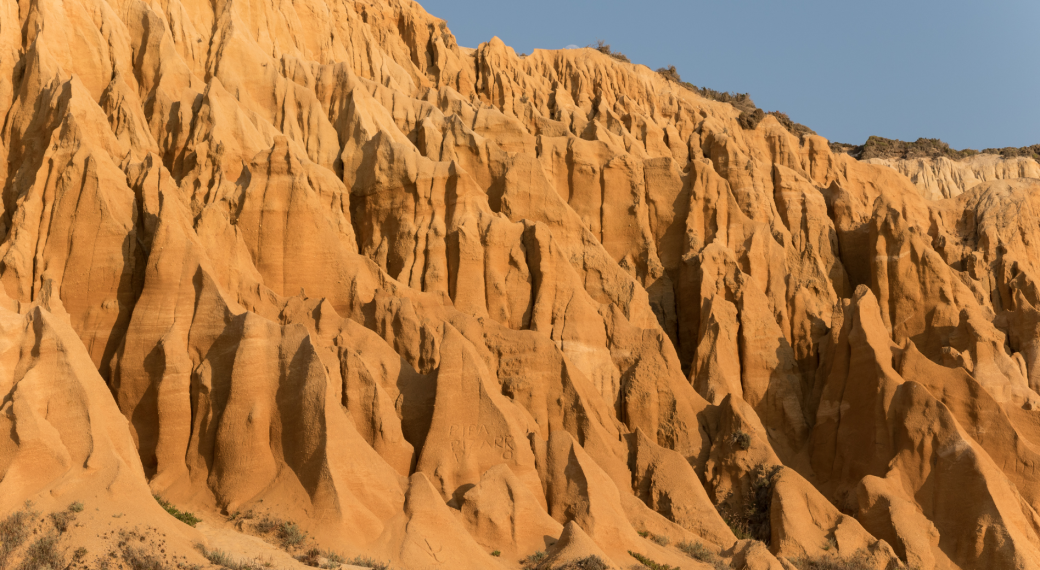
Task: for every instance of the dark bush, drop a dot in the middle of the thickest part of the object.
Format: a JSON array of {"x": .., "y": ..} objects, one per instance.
[
  {"x": 797, "y": 129},
  {"x": 589, "y": 563},
  {"x": 740, "y": 439},
  {"x": 1012, "y": 152},
  {"x": 670, "y": 73},
  {"x": 750, "y": 517},
  {"x": 604, "y": 48},
  {"x": 267, "y": 525},
  {"x": 62, "y": 520}
]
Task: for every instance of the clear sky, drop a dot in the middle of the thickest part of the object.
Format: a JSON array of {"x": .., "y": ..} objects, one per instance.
[{"x": 967, "y": 72}]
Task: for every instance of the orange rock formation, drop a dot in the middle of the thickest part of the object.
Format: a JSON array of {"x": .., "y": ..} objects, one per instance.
[{"x": 314, "y": 260}]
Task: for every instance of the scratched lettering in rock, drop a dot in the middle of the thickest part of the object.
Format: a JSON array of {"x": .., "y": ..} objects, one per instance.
[{"x": 475, "y": 438}]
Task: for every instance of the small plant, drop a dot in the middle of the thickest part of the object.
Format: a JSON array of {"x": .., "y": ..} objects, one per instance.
[
  {"x": 267, "y": 525},
  {"x": 589, "y": 563},
  {"x": 650, "y": 563},
  {"x": 534, "y": 560},
  {"x": 698, "y": 551},
  {"x": 139, "y": 559},
  {"x": 368, "y": 563},
  {"x": 659, "y": 539},
  {"x": 311, "y": 558},
  {"x": 76, "y": 507},
  {"x": 183, "y": 516},
  {"x": 643, "y": 533},
  {"x": 604, "y": 48},
  {"x": 79, "y": 554},
  {"x": 291, "y": 535},
  {"x": 240, "y": 518},
  {"x": 62, "y": 520},
  {"x": 13, "y": 532},
  {"x": 858, "y": 561},
  {"x": 43, "y": 553},
  {"x": 752, "y": 520},
  {"x": 223, "y": 559},
  {"x": 496, "y": 553},
  {"x": 669, "y": 73},
  {"x": 741, "y": 440}
]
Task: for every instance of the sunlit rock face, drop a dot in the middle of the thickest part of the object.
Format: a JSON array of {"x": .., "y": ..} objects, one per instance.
[{"x": 314, "y": 259}]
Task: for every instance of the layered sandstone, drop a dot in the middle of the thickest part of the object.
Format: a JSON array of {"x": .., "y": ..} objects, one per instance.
[
  {"x": 942, "y": 177},
  {"x": 316, "y": 261}
]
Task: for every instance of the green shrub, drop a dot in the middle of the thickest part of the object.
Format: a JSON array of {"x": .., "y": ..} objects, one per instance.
[
  {"x": 76, "y": 507},
  {"x": 183, "y": 516},
  {"x": 496, "y": 553},
  {"x": 659, "y": 539},
  {"x": 752, "y": 520},
  {"x": 533, "y": 560},
  {"x": 650, "y": 563},
  {"x": 291, "y": 535}
]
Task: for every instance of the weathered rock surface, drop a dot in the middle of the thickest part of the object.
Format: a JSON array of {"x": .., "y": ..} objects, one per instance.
[
  {"x": 938, "y": 178},
  {"x": 315, "y": 260}
]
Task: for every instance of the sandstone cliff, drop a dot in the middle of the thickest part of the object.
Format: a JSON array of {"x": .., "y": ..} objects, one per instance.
[
  {"x": 313, "y": 267},
  {"x": 938, "y": 178}
]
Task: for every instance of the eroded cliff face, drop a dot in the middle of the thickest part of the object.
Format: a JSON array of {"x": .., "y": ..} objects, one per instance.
[
  {"x": 432, "y": 302},
  {"x": 938, "y": 178}
]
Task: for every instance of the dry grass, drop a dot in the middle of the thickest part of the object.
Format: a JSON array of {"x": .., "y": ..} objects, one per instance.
[
  {"x": 14, "y": 530},
  {"x": 369, "y": 563},
  {"x": 645, "y": 561},
  {"x": 858, "y": 561},
  {"x": 699, "y": 552},
  {"x": 44, "y": 554}
]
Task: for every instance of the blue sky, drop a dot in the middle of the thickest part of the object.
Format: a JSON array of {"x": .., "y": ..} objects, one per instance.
[{"x": 967, "y": 72}]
